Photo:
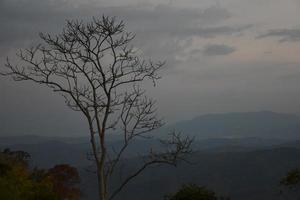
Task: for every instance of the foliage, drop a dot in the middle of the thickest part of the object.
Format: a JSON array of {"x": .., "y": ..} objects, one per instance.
[
  {"x": 290, "y": 185},
  {"x": 292, "y": 179},
  {"x": 195, "y": 192},
  {"x": 18, "y": 182},
  {"x": 65, "y": 179}
]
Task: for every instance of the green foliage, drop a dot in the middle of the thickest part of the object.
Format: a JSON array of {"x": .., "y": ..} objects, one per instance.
[
  {"x": 290, "y": 185},
  {"x": 292, "y": 179},
  {"x": 194, "y": 192},
  {"x": 17, "y": 182}
]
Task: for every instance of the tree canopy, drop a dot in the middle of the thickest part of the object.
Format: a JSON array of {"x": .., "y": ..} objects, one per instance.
[
  {"x": 194, "y": 192},
  {"x": 18, "y": 182}
]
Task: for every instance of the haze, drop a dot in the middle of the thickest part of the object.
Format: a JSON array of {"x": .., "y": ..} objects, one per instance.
[{"x": 222, "y": 56}]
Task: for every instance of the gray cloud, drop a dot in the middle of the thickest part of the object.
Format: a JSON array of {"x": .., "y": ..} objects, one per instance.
[
  {"x": 165, "y": 25},
  {"x": 211, "y": 32},
  {"x": 22, "y": 20},
  {"x": 284, "y": 35},
  {"x": 164, "y": 12},
  {"x": 218, "y": 49}
]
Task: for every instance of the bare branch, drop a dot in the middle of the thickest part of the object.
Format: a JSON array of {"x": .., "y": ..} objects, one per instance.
[
  {"x": 177, "y": 148},
  {"x": 99, "y": 74}
]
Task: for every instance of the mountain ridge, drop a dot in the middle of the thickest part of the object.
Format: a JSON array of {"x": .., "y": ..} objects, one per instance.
[{"x": 263, "y": 124}]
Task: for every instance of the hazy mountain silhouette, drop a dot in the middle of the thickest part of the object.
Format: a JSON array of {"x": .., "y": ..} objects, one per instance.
[
  {"x": 264, "y": 124},
  {"x": 248, "y": 168},
  {"x": 241, "y": 155}
]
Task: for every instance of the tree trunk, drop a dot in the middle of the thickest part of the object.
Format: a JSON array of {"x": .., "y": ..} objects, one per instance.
[{"x": 102, "y": 186}]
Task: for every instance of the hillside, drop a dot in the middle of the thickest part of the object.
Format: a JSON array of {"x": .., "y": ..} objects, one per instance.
[
  {"x": 243, "y": 169},
  {"x": 241, "y": 155}
]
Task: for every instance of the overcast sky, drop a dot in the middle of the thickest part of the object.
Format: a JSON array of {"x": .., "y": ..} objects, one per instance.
[{"x": 222, "y": 56}]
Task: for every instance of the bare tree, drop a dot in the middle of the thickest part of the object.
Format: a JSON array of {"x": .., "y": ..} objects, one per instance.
[{"x": 93, "y": 66}]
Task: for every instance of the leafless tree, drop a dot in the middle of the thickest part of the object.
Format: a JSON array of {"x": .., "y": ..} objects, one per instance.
[{"x": 93, "y": 66}]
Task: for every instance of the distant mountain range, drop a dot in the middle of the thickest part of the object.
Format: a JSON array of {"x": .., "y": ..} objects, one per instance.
[
  {"x": 264, "y": 124},
  {"x": 241, "y": 155},
  {"x": 243, "y": 168},
  {"x": 251, "y": 175}
]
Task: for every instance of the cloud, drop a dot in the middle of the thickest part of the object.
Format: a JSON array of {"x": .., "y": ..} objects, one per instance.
[
  {"x": 162, "y": 13},
  {"x": 22, "y": 19},
  {"x": 167, "y": 26},
  {"x": 211, "y": 32},
  {"x": 218, "y": 50},
  {"x": 284, "y": 35}
]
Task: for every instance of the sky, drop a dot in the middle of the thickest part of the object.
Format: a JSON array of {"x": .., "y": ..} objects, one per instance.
[{"x": 221, "y": 56}]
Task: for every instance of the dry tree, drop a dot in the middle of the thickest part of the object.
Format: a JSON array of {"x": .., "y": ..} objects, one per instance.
[{"x": 95, "y": 68}]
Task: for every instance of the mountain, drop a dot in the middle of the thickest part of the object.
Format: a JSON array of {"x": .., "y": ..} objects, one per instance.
[
  {"x": 252, "y": 175},
  {"x": 264, "y": 124},
  {"x": 241, "y": 155},
  {"x": 242, "y": 168}
]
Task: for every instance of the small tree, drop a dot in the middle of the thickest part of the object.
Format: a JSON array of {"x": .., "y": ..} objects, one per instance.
[
  {"x": 17, "y": 182},
  {"x": 93, "y": 67},
  {"x": 290, "y": 184},
  {"x": 195, "y": 192},
  {"x": 65, "y": 179},
  {"x": 292, "y": 179}
]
